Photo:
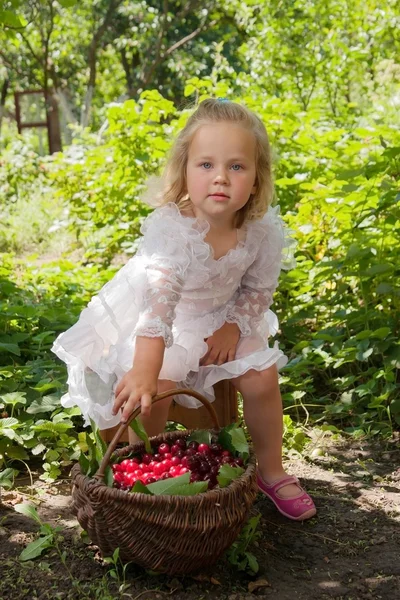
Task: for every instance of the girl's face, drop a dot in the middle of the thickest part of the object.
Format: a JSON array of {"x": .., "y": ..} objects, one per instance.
[{"x": 221, "y": 171}]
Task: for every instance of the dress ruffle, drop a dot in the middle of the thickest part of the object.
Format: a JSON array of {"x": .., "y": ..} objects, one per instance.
[{"x": 99, "y": 348}]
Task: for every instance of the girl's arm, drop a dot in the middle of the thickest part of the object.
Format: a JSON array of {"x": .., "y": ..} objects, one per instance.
[{"x": 139, "y": 385}]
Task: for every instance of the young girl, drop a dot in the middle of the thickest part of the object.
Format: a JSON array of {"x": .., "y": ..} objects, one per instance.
[{"x": 192, "y": 307}]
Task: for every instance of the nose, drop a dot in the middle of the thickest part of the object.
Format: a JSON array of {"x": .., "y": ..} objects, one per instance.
[{"x": 221, "y": 176}]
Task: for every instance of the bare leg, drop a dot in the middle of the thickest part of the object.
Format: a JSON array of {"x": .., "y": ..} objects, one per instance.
[
  {"x": 155, "y": 423},
  {"x": 262, "y": 405}
]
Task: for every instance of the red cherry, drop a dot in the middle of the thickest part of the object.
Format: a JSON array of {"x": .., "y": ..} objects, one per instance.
[
  {"x": 190, "y": 452},
  {"x": 239, "y": 461},
  {"x": 119, "y": 477},
  {"x": 204, "y": 448},
  {"x": 180, "y": 454},
  {"x": 124, "y": 464},
  {"x": 175, "y": 461},
  {"x": 163, "y": 448},
  {"x": 226, "y": 460},
  {"x": 116, "y": 467},
  {"x": 167, "y": 463},
  {"x": 147, "y": 458},
  {"x": 159, "y": 469},
  {"x": 175, "y": 471},
  {"x": 184, "y": 461},
  {"x": 225, "y": 453},
  {"x": 145, "y": 468},
  {"x": 168, "y": 455},
  {"x": 195, "y": 477},
  {"x": 158, "y": 457},
  {"x": 204, "y": 467},
  {"x": 138, "y": 473},
  {"x": 152, "y": 465},
  {"x": 183, "y": 471},
  {"x": 181, "y": 443},
  {"x": 131, "y": 478},
  {"x": 131, "y": 467},
  {"x": 174, "y": 449},
  {"x": 214, "y": 471},
  {"x": 166, "y": 476},
  {"x": 216, "y": 448},
  {"x": 212, "y": 482},
  {"x": 151, "y": 480}
]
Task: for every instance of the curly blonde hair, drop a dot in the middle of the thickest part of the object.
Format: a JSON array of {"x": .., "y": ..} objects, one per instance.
[{"x": 217, "y": 111}]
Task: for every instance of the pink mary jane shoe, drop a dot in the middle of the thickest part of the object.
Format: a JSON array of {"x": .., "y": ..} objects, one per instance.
[{"x": 298, "y": 508}]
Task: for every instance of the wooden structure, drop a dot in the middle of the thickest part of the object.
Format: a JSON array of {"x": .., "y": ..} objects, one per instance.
[
  {"x": 51, "y": 123},
  {"x": 225, "y": 405}
]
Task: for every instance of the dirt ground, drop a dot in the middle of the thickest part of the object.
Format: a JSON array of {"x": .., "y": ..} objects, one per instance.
[{"x": 351, "y": 550}]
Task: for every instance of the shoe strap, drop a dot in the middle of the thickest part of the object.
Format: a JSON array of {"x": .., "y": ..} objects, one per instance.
[{"x": 287, "y": 480}]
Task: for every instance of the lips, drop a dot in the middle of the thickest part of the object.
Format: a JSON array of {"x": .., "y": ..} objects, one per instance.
[{"x": 219, "y": 195}]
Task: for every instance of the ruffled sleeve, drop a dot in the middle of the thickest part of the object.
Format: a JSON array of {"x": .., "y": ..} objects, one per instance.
[
  {"x": 275, "y": 252},
  {"x": 166, "y": 254}
]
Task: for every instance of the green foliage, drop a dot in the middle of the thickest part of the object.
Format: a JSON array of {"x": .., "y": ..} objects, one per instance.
[
  {"x": 47, "y": 534},
  {"x": 238, "y": 554}
]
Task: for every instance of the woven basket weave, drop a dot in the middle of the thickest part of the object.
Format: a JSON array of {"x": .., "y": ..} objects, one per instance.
[{"x": 171, "y": 534}]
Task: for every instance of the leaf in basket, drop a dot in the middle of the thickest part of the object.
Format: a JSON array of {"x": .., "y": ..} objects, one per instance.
[
  {"x": 101, "y": 446},
  {"x": 234, "y": 439},
  {"x": 227, "y": 473},
  {"x": 108, "y": 476},
  {"x": 84, "y": 464},
  {"x": 189, "y": 489},
  {"x": 201, "y": 436},
  {"x": 138, "y": 428},
  {"x": 165, "y": 485},
  {"x": 140, "y": 487}
]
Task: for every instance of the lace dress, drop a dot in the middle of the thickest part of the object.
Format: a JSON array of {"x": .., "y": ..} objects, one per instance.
[{"x": 174, "y": 288}]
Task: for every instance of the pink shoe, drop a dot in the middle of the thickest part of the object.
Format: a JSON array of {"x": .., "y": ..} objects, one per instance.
[{"x": 298, "y": 508}]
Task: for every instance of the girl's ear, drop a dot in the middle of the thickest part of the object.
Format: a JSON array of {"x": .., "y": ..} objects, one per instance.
[{"x": 254, "y": 188}]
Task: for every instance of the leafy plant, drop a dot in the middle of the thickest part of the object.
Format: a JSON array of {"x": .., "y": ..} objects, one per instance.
[{"x": 238, "y": 554}]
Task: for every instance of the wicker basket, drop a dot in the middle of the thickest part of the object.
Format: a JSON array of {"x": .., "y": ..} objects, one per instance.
[{"x": 170, "y": 534}]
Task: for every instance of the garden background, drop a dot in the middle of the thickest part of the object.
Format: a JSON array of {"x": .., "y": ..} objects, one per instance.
[{"x": 325, "y": 78}]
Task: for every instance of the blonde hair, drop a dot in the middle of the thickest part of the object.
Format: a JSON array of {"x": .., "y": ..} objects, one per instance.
[{"x": 217, "y": 111}]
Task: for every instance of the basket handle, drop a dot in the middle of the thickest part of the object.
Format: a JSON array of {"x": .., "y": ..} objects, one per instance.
[{"x": 106, "y": 458}]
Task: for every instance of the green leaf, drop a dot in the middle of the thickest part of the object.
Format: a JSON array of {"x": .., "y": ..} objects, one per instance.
[
  {"x": 8, "y": 422},
  {"x": 227, "y": 473},
  {"x": 141, "y": 488},
  {"x": 201, "y": 436},
  {"x": 252, "y": 562},
  {"x": 7, "y": 477},
  {"x": 17, "y": 452},
  {"x": 140, "y": 431},
  {"x": 14, "y": 398},
  {"x": 233, "y": 438},
  {"x": 178, "y": 486},
  {"x": 36, "y": 548},
  {"x": 101, "y": 446},
  {"x": 13, "y": 348},
  {"x": 44, "y": 404},
  {"x": 29, "y": 511}
]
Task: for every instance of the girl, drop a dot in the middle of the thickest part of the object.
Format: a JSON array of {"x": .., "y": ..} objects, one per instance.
[{"x": 192, "y": 307}]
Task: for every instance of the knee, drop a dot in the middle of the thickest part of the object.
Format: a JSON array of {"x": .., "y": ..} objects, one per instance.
[{"x": 261, "y": 382}]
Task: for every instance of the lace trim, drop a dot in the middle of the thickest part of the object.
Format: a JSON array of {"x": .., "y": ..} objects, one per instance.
[
  {"x": 155, "y": 328},
  {"x": 242, "y": 321}
]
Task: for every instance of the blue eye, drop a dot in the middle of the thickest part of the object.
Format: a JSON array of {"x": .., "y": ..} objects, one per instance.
[
  {"x": 206, "y": 165},
  {"x": 236, "y": 167}
]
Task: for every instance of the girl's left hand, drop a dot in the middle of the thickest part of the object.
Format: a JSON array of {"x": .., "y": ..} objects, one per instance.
[{"x": 221, "y": 345}]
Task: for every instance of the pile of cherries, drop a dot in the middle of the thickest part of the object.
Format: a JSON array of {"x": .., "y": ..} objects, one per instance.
[{"x": 203, "y": 461}]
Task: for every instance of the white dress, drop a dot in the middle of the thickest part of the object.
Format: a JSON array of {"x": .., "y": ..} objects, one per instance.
[{"x": 174, "y": 288}]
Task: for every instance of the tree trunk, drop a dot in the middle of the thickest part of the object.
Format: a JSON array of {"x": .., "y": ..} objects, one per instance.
[{"x": 3, "y": 96}]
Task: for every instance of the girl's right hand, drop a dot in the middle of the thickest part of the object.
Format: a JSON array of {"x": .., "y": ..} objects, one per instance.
[{"x": 136, "y": 387}]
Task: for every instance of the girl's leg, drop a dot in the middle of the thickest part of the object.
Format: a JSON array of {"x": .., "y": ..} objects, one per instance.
[
  {"x": 262, "y": 407},
  {"x": 155, "y": 423}
]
